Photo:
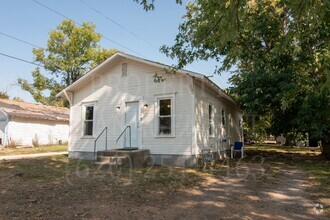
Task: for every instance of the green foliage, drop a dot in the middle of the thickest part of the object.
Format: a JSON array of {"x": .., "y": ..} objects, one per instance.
[
  {"x": 18, "y": 99},
  {"x": 280, "y": 50},
  {"x": 71, "y": 52},
  {"x": 4, "y": 95},
  {"x": 149, "y": 5}
]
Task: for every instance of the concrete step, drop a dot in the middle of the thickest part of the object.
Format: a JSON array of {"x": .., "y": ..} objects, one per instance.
[
  {"x": 133, "y": 158},
  {"x": 112, "y": 159}
]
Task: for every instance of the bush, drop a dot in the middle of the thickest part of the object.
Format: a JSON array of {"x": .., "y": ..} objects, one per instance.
[
  {"x": 35, "y": 141},
  {"x": 12, "y": 143}
]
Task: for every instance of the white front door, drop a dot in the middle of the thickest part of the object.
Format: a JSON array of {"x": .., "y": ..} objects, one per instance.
[{"x": 132, "y": 119}]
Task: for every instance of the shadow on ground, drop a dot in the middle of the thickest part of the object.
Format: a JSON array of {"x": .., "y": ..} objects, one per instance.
[{"x": 262, "y": 186}]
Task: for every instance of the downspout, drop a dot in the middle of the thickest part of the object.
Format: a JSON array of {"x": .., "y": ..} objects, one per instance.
[
  {"x": 5, "y": 139},
  {"x": 70, "y": 116},
  {"x": 193, "y": 121}
]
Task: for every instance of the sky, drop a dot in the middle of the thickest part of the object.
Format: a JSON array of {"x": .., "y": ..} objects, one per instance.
[{"x": 141, "y": 33}]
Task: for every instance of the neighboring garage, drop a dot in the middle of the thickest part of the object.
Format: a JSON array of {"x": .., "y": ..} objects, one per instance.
[{"x": 22, "y": 124}]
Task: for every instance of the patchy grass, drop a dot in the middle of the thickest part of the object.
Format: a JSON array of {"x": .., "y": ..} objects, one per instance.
[
  {"x": 47, "y": 186},
  {"x": 57, "y": 187},
  {"x": 33, "y": 150},
  {"x": 308, "y": 158},
  {"x": 272, "y": 148}
]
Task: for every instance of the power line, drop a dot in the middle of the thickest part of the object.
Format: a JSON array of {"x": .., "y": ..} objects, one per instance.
[
  {"x": 118, "y": 24},
  {"x": 62, "y": 15},
  {"x": 56, "y": 12},
  {"x": 23, "y": 41},
  {"x": 22, "y": 60}
]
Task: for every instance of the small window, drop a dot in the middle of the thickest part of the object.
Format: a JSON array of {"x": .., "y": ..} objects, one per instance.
[
  {"x": 165, "y": 117},
  {"x": 223, "y": 117},
  {"x": 88, "y": 120},
  {"x": 230, "y": 124},
  {"x": 124, "y": 69},
  {"x": 211, "y": 120}
]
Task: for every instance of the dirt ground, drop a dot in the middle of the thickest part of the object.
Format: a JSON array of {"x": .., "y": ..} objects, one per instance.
[{"x": 256, "y": 188}]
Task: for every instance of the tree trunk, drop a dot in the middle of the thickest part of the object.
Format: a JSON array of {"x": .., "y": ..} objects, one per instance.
[{"x": 326, "y": 150}]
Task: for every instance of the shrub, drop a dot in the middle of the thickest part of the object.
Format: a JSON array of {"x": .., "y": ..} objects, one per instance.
[{"x": 35, "y": 141}]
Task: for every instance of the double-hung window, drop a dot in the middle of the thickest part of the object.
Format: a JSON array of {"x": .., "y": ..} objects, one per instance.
[
  {"x": 223, "y": 117},
  {"x": 211, "y": 120},
  {"x": 165, "y": 117},
  {"x": 88, "y": 119}
]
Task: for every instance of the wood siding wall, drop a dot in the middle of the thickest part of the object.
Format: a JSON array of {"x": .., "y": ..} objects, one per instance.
[
  {"x": 204, "y": 96},
  {"x": 109, "y": 90}
]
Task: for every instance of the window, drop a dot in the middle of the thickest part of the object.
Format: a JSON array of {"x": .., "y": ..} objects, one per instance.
[
  {"x": 165, "y": 116},
  {"x": 230, "y": 124},
  {"x": 88, "y": 117},
  {"x": 211, "y": 120},
  {"x": 124, "y": 69},
  {"x": 223, "y": 117}
]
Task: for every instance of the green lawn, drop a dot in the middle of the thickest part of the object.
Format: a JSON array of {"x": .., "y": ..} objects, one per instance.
[{"x": 32, "y": 150}]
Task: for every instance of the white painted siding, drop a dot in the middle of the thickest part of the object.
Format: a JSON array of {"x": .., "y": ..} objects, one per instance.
[
  {"x": 23, "y": 131},
  {"x": 109, "y": 89},
  {"x": 204, "y": 96}
]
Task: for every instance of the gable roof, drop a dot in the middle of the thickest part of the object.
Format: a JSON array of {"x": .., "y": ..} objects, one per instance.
[
  {"x": 35, "y": 111},
  {"x": 114, "y": 58}
]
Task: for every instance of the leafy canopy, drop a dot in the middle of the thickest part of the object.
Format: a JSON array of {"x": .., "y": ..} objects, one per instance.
[
  {"x": 71, "y": 52},
  {"x": 279, "y": 50}
]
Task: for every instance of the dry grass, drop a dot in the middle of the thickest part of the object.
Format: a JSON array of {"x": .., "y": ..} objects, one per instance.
[
  {"x": 33, "y": 150},
  {"x": 57, "y": 187},
  {"x": 308, "y": 158}
]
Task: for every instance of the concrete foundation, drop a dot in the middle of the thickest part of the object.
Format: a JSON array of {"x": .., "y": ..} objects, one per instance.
[
  {"x": 81, "y": 155},
  {"x": 135, "y": 158},
  {"x": 173, "y": 160}
]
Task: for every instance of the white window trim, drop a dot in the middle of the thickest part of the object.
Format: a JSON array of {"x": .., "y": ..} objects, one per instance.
[
  {"x": 84, "y": 105},
  {"x": 213, "y": 117},
  {"x": 157, "y": 99}
]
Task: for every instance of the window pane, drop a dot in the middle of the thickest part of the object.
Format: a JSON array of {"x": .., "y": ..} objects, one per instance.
[
  {"x": 89, "y": 113},
  {"x": 165, "y": 125},
  {"x": 210, "y": 112},
  {"x": 164, "y": 107},
  {"x": 88, "y": 128}
]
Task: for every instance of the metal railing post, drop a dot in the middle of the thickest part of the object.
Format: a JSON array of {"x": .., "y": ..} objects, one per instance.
[
  {"x": 130, "y": 138},
  {"x": 106, "y": 138},
  {"x": 105, "y": 129}
]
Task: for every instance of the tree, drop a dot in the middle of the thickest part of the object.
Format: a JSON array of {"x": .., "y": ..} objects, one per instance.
[
  {"x": 4, "y": 95},
  {"x": 280, "y": 50},
  {"x": 71, "y": 52},
  {"x": 18, "y": 99}
]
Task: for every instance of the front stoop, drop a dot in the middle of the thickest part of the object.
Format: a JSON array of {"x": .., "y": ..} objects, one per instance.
[{"x": 129, "y": 159}]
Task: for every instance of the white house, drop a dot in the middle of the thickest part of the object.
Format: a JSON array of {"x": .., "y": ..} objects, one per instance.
[
  {"x": 22, "y": 123},
  {"x": 174, "y": 119}
]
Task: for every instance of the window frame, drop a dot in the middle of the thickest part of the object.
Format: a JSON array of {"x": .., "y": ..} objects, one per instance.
[
  {"x": 83, "y": 117},
  {"x": 211, "y": 120},
  {"x": 124, "y": 66},
  {"x": 223, "y": 117},
  {"x": 158, "y": 98}
]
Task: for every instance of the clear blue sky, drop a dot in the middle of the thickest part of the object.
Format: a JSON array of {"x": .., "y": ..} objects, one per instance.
[{"x": 26, "y": 20}]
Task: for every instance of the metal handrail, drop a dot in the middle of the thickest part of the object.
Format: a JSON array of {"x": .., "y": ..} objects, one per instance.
[
  {"x": 106, "y": 140},
  {"x": 129, "y": 129}
]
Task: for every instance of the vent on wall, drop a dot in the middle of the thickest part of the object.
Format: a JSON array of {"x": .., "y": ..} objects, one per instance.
[{"x": 124, "y": 69}]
